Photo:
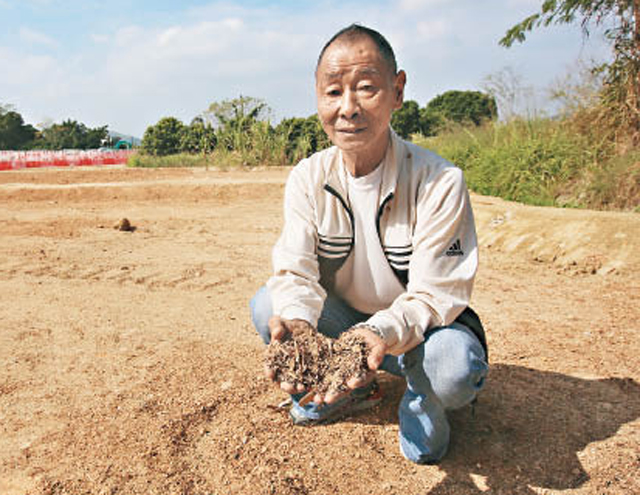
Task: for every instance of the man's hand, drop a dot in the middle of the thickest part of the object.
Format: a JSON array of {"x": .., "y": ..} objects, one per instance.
[
  {"x": 280, "y": 330},
  {"x": 377, "y": 351}
]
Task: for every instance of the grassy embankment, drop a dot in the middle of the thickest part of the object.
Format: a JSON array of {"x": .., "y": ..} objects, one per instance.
[{"x": 541, "y": 162}]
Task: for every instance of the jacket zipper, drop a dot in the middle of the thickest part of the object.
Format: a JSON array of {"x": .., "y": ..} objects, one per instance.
[
  {"x": 344, "y": 204},
  {"x": 380, "y": 212}
]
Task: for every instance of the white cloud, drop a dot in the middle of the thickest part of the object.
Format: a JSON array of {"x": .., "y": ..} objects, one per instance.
[
  {"x": 180, "y": 69},
  {"x": 533, "y": 5},
  {"x": 40, "y": 75},
  {"x": 99, "y": 38},
  {"x": 417, "y": 5},
  {"x": 432, "y": 29},
  {"x": 128, "y": 35},
  {"x": 31, "y": 36}
]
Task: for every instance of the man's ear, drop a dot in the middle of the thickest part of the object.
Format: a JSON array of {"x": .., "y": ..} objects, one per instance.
[{"x": 398, "y": 87}]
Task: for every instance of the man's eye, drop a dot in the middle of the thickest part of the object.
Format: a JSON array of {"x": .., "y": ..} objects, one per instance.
[
  {"x": 367, "y": 88},
  {"x": 333, "y": 92}
]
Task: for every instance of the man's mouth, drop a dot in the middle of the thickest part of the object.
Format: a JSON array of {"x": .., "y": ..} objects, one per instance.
[{"x": 352, "y": 131}]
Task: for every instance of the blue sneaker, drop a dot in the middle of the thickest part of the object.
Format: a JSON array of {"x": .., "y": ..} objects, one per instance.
[{"x": 358, "y": 400}]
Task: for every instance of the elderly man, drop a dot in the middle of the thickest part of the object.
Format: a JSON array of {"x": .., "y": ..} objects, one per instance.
[{"x": 378, "y": 239}]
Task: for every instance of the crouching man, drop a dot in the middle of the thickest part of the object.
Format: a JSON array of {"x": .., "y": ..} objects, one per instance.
[{"x": 379, "y": 239}]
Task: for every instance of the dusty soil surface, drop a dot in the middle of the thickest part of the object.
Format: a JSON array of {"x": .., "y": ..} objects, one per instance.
[{"x": 128, "y": 363}]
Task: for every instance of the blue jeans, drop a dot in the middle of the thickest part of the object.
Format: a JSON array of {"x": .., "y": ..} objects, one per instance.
[{"x": 445, "y": 372}]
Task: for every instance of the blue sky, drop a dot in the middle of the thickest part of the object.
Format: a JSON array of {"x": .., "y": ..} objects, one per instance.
[{"x": 127, "y": 63}]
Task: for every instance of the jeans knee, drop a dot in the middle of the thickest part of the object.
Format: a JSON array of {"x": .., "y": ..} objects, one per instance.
[
  {"x": 261, "y": 312},
  {"x": 458, "y": 390},
  {"x": 456, "y": 367}
]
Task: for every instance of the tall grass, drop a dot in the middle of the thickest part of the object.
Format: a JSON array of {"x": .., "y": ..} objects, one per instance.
[
  {"x": 255, "y": 145},
  {"x": 541, "y": 162},
  {"x": 179, "y": 160},
  {"x": 221, "y": 159}
]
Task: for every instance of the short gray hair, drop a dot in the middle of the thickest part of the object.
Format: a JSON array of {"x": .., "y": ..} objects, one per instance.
[{"x": 355, "y": 31}]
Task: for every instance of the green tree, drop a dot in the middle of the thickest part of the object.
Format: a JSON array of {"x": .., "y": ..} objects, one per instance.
[
  {"x": 303, "y": 136},
  {"x": 430, "y": 122},
  {"x": 234, "y": 120},
  {"x": 14, "y": 133},
  {"x": 621, "y": 21},
  {"x": 406, "y": 120},
  {"x": 164, "y": 138},
  {"x": 462, "y": 107},
  {"x": 237, "y": 110},
  {"x": 71, "y": 134},
  {"x": 198, "y": 137},
  {"x": 94, "y": 137}
]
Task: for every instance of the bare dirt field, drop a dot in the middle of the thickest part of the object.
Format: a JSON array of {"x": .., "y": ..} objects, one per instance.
[{"x": 128, "y": 363}]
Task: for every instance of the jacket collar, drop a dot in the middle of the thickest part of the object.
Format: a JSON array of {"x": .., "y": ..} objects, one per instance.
[{"x": 336, "y": 172}]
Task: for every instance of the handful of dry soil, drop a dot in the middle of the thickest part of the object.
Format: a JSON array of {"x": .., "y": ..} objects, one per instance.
[{"x": 318, "y": 362}]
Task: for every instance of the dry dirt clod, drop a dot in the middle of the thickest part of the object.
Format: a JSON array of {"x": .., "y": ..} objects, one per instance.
[
  {"x": 317, "y": 362},
  {"x": 124, "y": 225}
]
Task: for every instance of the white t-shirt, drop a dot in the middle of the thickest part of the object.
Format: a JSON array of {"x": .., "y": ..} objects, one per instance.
[{"x": 376, "y": 285}]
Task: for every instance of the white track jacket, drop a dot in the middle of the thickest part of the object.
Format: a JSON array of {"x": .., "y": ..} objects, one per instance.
[{"x": 425, "y": 226}]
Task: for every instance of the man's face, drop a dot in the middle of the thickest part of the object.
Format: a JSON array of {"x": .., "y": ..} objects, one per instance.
[{"x": 356, "y": 94}]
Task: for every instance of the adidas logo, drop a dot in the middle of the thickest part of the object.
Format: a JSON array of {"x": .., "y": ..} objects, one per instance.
[{"x": 455, "y": 249}]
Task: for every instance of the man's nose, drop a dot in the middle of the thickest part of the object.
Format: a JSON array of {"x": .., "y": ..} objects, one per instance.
[{"x": 349, "y": 107}]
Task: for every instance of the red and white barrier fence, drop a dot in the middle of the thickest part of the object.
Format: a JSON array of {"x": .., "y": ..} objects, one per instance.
[{"x": 16, "y": 160}]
